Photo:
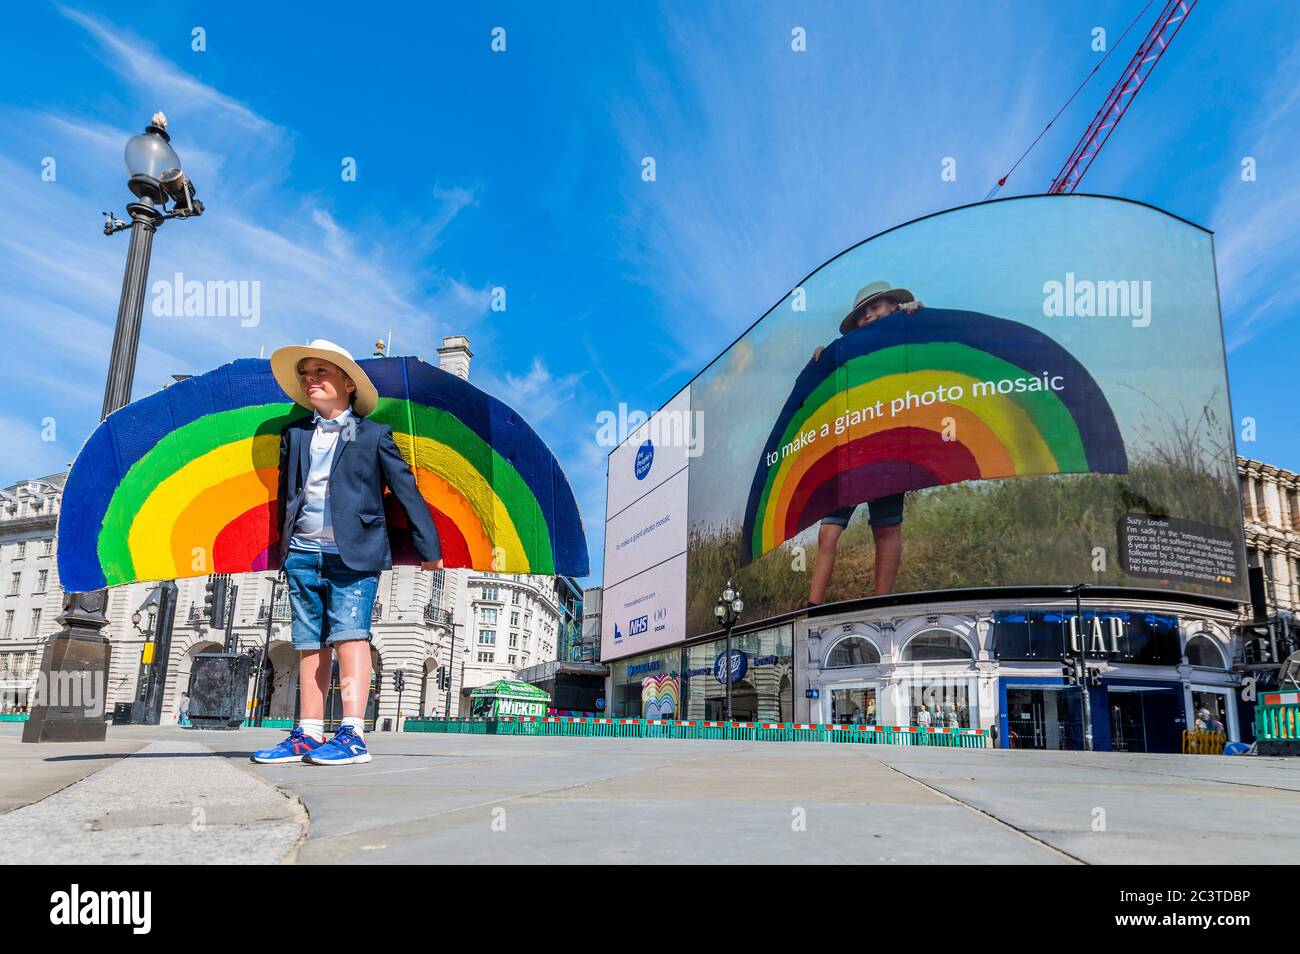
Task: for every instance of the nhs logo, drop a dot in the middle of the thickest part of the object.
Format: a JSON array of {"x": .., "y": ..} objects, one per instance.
[{"x": 638, "y": 626}]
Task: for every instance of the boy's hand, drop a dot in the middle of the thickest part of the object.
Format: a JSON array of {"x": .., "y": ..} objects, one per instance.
[{"x": 431, "y": 565}]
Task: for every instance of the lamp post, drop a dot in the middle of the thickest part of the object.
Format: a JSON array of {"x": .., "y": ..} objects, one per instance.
[
  {"x": 728, "y": 610},
  {"x": 451, "y": 653},
  {"x": 1081, "y": 669},
  {"x": 155, "y": 179}
]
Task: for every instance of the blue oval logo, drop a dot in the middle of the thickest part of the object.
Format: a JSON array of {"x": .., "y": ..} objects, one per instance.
[
  {"x": 645, "y": 456},
  {"x": 739, "y": 665}
]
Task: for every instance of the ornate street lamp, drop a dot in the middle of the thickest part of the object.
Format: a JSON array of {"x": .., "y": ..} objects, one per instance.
[
  {"x": 728, "y": 610},
  {"x": 156, "y": 179}
]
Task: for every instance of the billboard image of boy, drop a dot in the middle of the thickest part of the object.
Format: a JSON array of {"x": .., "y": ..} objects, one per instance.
[{"x": 885, "y": 514}]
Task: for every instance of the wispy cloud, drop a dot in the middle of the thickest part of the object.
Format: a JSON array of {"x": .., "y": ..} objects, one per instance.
[
  {"x": 133, "y": 57},
  {"x": 316, "y": 277},
  {"x": 769, "y": 161},
  {"x": 1258, "y": 222}
]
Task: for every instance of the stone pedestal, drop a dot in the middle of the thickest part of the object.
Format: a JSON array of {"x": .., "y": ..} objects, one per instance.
[{"x": 73, "y": 681}]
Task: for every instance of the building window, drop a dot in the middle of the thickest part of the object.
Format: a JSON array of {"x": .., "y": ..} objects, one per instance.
[
  {"x": 512, "y": 660},
  {"x": 9, "y": 623},
  {"x": 36, "y": 622},
  {"x": 933, "y": 645},
  {"x": 13, "y": 583},
  {"x": 488, "y": 637},
  {"x": 1210, "y": 711},
  {"x": 514, "y": 597},
  {"x": 437, "y": 583},
  {"x": 946, "y": 705},
  {"x": 22, "y": 549},
  {"x": 488, "y": 615},
  {"x": 514, "y": 618},
  {"x": 485, "y": 657},
  {"x": 853, "y": 651},
  {"x": 41, "y": 577},
  {"x": 48, "y": 548},
  {"x": 1204, "y": 652},
  {"x": 490, "y": 593},
  {"x": 514, "y": 640}
]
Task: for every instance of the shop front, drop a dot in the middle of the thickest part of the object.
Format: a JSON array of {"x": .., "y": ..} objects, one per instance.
[
  {"x": 647, "y": 686},
  {"x": 1156, "y": 670},
  {"x": 760, "y": 674},
  {"x": 690, "y": 682}
]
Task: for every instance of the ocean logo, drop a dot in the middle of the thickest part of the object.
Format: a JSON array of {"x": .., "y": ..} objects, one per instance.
[{"x": 924, "y": 400}]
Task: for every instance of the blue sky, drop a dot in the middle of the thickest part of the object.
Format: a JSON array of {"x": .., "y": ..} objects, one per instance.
[{"x": 522, "y": 170}]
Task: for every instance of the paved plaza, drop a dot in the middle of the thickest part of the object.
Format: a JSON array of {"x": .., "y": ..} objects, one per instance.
[{"x": 172, "y": 795}]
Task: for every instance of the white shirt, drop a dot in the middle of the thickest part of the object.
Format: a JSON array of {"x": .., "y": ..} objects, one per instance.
[{"x": 314, "y": 529}]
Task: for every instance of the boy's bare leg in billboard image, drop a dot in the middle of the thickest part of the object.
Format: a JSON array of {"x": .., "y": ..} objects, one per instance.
[
  {"x": 828, "y": 536},
  {"x": 889, "y": 554},
  {"x": 885, "y": 515}
]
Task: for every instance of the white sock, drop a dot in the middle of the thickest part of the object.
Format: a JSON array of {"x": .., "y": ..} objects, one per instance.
[
  {"x": 358, "y": 725},
  {"x": 315, "y": 728}
]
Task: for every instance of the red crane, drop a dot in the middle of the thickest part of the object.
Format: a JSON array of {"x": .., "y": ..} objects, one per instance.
[{"x": 1122, "y": 94}]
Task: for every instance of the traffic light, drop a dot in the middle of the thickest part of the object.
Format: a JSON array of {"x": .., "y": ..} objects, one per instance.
[
  {"x": 1094, "y": 678},
  {"x": 441, "y": 675},
  {"x": 399, "y": 680},
  {"x": 1069, "y": 673},
  {"x": 214, "y": 599}
]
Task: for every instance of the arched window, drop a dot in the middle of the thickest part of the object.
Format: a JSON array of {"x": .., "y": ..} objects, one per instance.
[
  {"x": 935, "y": 644},
  {"x": 852, "y": 651},
  {"x": 1205, "y": 652}
]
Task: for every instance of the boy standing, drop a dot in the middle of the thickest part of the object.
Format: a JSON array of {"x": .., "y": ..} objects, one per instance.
[{"x": 334, "y": 539}]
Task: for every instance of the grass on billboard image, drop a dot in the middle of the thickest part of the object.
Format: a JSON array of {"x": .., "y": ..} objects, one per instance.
[{"x": 1053, "y": 429}]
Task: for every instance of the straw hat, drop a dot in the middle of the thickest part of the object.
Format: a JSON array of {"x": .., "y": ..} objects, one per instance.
[
  {"x": 866, "y": 295},
  {"x": 284, "y": 365}
]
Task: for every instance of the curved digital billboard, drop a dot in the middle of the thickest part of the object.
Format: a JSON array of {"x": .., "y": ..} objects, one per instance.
[{"x": 1024, "y": 392}]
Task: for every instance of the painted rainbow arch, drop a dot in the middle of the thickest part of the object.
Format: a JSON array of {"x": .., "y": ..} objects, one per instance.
[
  {"x": 1056, "y": 420},
  {"x": 183, "y": 483}
]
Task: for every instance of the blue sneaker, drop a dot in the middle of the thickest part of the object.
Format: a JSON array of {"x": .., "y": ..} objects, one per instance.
[
  {"x": 344, "y": 749},
  {"x": 292, "y": 749}
]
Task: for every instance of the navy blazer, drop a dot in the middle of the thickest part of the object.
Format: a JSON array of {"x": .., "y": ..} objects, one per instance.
[{"x": 365, "y": 459}]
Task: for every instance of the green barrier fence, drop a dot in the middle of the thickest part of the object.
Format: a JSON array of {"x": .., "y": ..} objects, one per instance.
[
  {"x": 1278, "y": 723},
  {"x": 690, "y": 729}
]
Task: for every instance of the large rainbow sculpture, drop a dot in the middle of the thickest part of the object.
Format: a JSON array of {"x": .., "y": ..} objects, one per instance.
[
  {"x": 183, "y": 483},
  {"x": 1063, "y": 424}
]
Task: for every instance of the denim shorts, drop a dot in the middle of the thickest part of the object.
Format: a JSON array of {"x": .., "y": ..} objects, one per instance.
[
  {"x": 331, "y": 602},
  {"x": 881, "y": 512}
]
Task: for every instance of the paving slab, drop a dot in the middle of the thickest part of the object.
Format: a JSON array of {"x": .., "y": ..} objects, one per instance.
[
  {"x": 431, "y": 798},
  {"x": 171, "y": 802},
  {"x": 31, "y": 771}
]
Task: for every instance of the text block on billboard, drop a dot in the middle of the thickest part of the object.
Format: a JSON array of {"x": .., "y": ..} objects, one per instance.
[
  {"x": 648, "y": 532},
  {"x": 644, "y": 612}
]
